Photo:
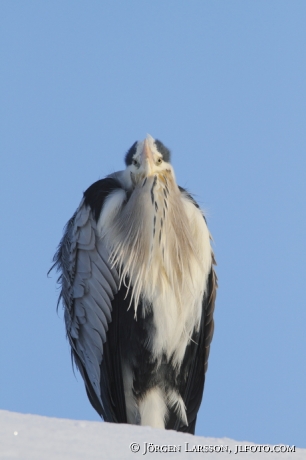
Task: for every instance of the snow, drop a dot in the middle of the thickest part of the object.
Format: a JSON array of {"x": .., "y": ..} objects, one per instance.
[{"x": 33, "y": 437}]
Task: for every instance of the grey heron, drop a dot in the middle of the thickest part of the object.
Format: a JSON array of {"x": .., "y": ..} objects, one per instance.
[{"x": 138, "y": 287}]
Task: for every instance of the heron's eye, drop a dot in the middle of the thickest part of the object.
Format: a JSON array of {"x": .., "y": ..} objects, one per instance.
[
  {"x": 159, "y": 161},
  {"x": 135, "y": 162}
]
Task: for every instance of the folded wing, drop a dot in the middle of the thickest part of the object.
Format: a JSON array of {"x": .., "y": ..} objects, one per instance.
[{"x": 88, "y": 287}]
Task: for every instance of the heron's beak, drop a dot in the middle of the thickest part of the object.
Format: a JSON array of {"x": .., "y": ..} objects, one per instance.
[{"x": 147, "y": 160}]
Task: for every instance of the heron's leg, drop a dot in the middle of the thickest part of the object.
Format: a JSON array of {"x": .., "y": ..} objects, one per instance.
[
  {"x": 153, "y": 409},
  {"x": 132, "y": 412}
]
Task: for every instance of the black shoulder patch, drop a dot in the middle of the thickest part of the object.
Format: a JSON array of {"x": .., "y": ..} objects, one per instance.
[
  {"x": 163, "y": 150},
  {"x": 130, "y": 154},
  {"x": 96, "y": 194},
  {"x": 183, "y": 190}
]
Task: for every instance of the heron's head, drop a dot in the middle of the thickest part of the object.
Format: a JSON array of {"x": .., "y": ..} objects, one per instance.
[{"x": 147, "y": 158}]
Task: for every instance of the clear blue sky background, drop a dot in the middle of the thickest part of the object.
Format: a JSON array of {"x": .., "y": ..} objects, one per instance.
[{"x": 222, "y": 83}]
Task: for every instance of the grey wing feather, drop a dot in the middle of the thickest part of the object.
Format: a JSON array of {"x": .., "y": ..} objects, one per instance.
[{"x": 88, "y": 284}]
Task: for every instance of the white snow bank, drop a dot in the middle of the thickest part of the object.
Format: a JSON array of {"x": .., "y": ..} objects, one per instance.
[{"x": 32, "y": 437}]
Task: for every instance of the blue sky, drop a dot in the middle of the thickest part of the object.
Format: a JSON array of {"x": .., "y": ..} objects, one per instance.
[{"x": 222, "y": 84}]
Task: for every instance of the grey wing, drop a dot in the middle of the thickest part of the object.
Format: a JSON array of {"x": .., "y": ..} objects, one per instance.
[{"x": 88, "y": 286}]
